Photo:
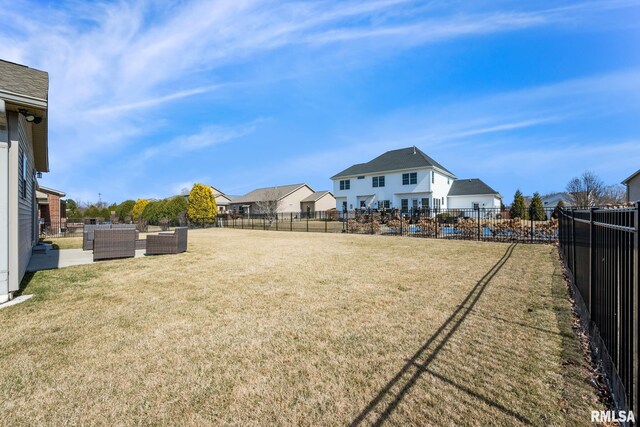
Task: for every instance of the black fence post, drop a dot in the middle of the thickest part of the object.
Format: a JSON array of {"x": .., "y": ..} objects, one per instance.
[
  {"x": 573, "y": 245},
  {"x": 478, "y": 223},
  {"x": 531, "y": 219},
  {"x": 592, "y": 264},
  {"x": 634, "y": 404},
  {"x": 307, "y": 221},
  {"x": 371, "y": 220},
  {"x": 326, "y": 220}
]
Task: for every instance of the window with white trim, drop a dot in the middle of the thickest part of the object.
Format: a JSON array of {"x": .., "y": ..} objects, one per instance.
[
  {"x": 378, "y": 181},
  {"x": 410, "y": 178},
  {"x": 23, "y": 175},
  {"x": 345, "y": 184}
]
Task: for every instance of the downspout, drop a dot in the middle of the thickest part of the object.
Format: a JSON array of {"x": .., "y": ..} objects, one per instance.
[{"x": 4, "y": 204}]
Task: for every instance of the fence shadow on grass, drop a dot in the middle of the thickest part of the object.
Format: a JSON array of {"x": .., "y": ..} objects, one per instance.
[{"x": 422, "y": 358}]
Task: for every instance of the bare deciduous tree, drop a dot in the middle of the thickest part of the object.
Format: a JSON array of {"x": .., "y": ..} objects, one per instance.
[
  {"x": 270, "y": 205},
  {"x": 589, "y": 190},
  {"x": 614, "y": 195},
  {"x": 586, "y": 190}
]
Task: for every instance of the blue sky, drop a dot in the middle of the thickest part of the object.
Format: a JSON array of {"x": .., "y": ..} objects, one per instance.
[{"x": 148, "y": 97}]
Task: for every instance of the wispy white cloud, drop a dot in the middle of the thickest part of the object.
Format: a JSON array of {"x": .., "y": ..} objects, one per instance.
[
  {"x": 152, "y": 102},
  {"x": 110, "y": 62},
  {"x": 483, "y": 135},
  {"x": 206, "y": 137}
]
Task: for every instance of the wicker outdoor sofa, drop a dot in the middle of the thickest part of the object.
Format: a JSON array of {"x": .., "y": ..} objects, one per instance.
[
  {"x": 168, "y": 243},
  {"x": 89, "y": 230},
  {"x": 114, "y": 243}
]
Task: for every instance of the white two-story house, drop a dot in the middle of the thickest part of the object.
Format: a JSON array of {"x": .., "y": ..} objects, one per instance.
[{"x": 408, "y": 179}]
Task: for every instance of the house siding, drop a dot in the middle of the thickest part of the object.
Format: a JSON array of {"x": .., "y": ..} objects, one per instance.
[
  {"x": 394, "y": 190},
  {"x": 633, "y": 189},
  {"x": 466, "y": 202},
  {"x": 26, "y": 205},
  {"x": 325, "y": 203},
  {"x": 22, "y": 235},
  {"x": 4, "y": 203},
  {"x": 291, "y": 203}
]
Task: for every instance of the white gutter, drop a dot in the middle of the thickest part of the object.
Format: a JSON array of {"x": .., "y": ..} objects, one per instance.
[
  {"x": 24, "y": 100},
  {"x": 4, "y": 204}
]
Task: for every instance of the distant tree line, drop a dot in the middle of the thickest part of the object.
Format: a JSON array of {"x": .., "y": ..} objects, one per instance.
[
  {"x": 583, "y": 191},
  {"x": 199, "y": 205}
]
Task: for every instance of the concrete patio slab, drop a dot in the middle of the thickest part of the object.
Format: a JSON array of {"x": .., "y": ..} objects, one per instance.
[{"x": 55, "y": 258}]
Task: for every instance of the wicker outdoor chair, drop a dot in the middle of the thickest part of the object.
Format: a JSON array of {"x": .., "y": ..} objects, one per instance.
[
  {"x": 118, "y": 243},
  {"x": 168, "y": 243}
]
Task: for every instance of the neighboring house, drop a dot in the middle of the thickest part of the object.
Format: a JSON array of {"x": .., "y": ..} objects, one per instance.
[
  {"x": 552, "y": 200},
  {"x": 407, "y": 179},
  {"x": 285, "y": 198},
  {"x": 633, "y": 187},
  {"x": 222, "y": 200},
  {"x": 23, "y": 154},
  {"x": 473, "y": 193},
  {"x": 319, "y": 201},
  {"x": 52, "y": 210}
]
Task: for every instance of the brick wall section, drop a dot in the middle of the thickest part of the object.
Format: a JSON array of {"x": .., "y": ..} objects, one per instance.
[{"x": 54, "y": 217}]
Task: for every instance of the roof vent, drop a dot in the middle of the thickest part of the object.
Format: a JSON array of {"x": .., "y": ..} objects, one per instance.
[{"x": 414, "y": 149}]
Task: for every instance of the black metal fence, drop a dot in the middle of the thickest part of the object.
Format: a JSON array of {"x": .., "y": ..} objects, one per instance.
[
  {"x": 65, "y": 227},
  {"x": 599, "y": 247},
  {"x": 463, "y": 224}
]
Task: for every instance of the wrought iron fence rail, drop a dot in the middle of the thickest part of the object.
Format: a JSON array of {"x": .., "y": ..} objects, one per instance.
[{"x": 600, "y": 250}]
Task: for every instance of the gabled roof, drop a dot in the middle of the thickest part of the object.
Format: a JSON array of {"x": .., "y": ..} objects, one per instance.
[
  {"x": 315, "y": 196},
  {"x": 470, "y": 187},
  {"x": 48, "y": 190},
  {"x": 555, "y": 196},
  {"x": 269, "y": 193},
  {"x": 631, "y": 177},
  {"x": 404, "y": 158}
]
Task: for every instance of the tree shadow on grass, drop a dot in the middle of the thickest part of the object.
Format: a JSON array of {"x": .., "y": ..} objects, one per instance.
[{"x": 423, "y": 358}]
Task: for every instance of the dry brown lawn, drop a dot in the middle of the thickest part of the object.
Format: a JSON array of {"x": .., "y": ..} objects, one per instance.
[{"x": 267, "y": 328}]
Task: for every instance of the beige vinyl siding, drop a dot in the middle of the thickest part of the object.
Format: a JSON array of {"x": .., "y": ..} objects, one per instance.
[
  {"x": 633, "y": 189},
  {"x": 325, "y": 203},
  {"x": 26, "y": 205},
  {"x": 291, "y": 203}
]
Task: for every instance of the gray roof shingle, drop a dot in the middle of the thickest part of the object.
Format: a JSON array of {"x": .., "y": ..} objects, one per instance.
[
  {"x": 314, "y": 197},
  {"x": 404, "y": 158},
  {"x": 267, "y": 194},
  {"x": 22, "y": 80},
  {"x": 470, "y": 187}
]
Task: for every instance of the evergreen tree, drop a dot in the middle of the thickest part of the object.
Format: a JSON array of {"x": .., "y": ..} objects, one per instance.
[
  {"x": 556, "y": 211},
  {"x": 72, "y": 209},
  {"x": 202, "y": 203},
  {"x": 536, "y": 208},
  {"x": 518, "y": 207},
  {"x": 92, "y": 212}
]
